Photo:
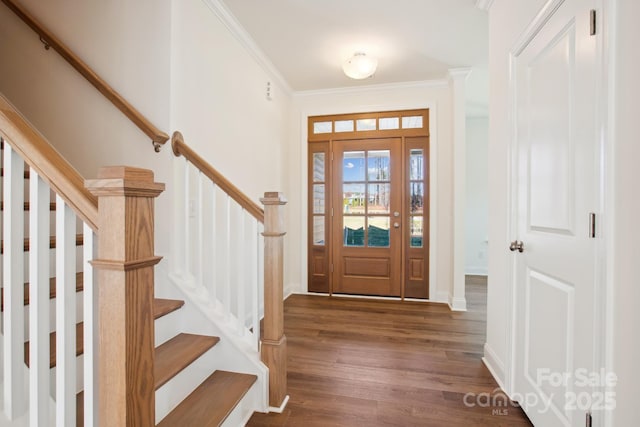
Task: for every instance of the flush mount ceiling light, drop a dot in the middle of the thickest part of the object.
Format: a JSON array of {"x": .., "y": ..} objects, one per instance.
[{"x": 360, "y": 66}]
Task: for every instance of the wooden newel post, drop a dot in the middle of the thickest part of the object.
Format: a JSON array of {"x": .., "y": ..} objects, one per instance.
[
  {"x": 274, "y": 342},
  {"x": 125, "y": 290}
]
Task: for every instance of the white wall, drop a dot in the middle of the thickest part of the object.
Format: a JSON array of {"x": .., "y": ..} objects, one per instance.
[
  {"x": 507, "y": 20},
  {"x": 434, "y": 95},
  {"x": 218, "y": 101},
  {"x": 176, "y": 63},
  {"x": 132, "y": 57},
  {"x": 476, "y": 215},
  {"x": 624, "y": 206}
]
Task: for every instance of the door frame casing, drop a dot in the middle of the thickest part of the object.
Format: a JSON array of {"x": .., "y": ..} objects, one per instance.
[
  {"x": 602, "y": 290},
  {"x": 435, "y": 295}
]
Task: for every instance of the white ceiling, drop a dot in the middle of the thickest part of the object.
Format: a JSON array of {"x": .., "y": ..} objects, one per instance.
[{"x": 414, "y": 40}]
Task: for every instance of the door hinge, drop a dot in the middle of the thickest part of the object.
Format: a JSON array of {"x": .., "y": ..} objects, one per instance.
[
  {"x": 331, "y": 268},
  {"x": 332, "y": 212},
  {"x": 592, "y": 22},
  {"x": 592, "y": 225},
  {"x": 588, "y": 420},
  {"x": 332, "y": 156}
]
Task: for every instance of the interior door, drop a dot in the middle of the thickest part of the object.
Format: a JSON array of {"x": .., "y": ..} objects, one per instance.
[
  {"x": 557, "y": 189},
  {"x": 367, "y": 218}
]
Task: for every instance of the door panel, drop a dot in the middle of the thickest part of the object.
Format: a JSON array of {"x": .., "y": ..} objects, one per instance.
[
  {"x": 368, "y": 245},
  {"x": 556, "y": 175},
  {"x": 319, "y": 188},
  {"x": 416, "y": 214}
]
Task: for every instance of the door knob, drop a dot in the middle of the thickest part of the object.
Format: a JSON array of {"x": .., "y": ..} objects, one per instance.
[
  {"x": 516, "y": 246},
  {"x": 396, "y": 225}
]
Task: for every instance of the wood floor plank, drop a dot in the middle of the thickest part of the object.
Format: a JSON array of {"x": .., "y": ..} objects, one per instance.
[
  {"x": 358, "y": 362},
  {"x": 212, "y": 402}
]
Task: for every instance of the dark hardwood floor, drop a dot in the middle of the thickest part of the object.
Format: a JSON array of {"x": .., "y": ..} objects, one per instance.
[{"x": 356, "y": 362}]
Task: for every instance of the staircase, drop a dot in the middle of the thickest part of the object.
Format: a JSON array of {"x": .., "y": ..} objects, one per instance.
[
  {"x": 53, "y": 318},
  {"x": 93, "y": 333}
]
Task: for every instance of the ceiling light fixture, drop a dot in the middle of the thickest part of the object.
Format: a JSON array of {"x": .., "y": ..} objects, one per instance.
[{"x": 360, "y": 66}]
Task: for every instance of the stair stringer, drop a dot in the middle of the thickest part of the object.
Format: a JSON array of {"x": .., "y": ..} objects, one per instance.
[{"x": 199, "y": 315}]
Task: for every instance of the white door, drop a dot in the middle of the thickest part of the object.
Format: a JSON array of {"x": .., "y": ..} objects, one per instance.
[{"x": 556, "y": 176}]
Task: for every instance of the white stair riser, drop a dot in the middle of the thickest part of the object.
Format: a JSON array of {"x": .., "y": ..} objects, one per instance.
[
  {"x": 79, "y": 377},
  {"x": 167, "y": 327},
  {"x": 244, "y": 409},
  {"x": 52, "y": 314},
  {"x": 52, "y": 263},
  {"x": 179, "y": 387}
]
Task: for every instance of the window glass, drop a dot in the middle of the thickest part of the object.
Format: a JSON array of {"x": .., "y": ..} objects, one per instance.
[{"x": 322, "y": 127}]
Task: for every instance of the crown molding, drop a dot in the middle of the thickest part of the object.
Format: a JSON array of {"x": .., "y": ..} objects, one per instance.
[
  {"x": 484, "y": 5},
  {"x": 459, "y": 73},
  {"x": 439, "y": 83},
  {"x": 239, "y": 33}
]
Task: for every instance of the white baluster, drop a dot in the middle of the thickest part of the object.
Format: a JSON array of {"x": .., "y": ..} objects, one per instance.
[
  {"x": 178, "y": 259},
  {"x": 13, "y": 279},
  {"x": 201, "y": 237},
  {"x": 187, "y": 223},
  {"x": 90, "y": 303},
  {"x": 240, "y": 272},
  {"x": 254, "y": 250},
  {"x": 212, "y": 258},
  {"x": 65, "y": 315},
  {"x": 39, "y": 215},
  {"x": 227, "y": 257},
  {"x": 260, "y": 270}
]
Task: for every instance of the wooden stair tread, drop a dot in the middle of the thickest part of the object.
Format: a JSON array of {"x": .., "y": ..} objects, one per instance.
[
  {"x": 212, "y": 402},
  {"x": 80, "y": 342},
  {"x": 52, "y": 243},
  {"x": 178, "y": 353},
  {"x": 52, "y": 346},
  {"x": 52, "y": 289},
  {"x": 162, "y": 307},
  {"x": 27, "y": 206}
]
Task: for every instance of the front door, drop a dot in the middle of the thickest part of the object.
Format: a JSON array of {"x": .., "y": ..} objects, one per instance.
[
  {"x": 368, "y": 205},
  {"x": 366, "y": 221},
  {"x": 556, "y": 170}
]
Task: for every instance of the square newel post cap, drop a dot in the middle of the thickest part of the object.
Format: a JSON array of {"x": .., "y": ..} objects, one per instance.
[
  {"x": 273, "y": 198},
  {"x": 124, "y": 181}
]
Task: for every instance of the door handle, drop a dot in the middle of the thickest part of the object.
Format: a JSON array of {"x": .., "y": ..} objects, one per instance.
[
  {"x": 396, "y": 225},
  {"x": 516, "y": 246}
]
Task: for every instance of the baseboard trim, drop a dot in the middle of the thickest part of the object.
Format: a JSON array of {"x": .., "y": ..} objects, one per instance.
[
  {"x": 441, "y": 296},
  {"x": 494, "y": 365},
  {"x": 458, "y": 304},
  {"x": 476, "y": 271},
  {"x": 280, "y": 409},
  {"x": 369, "y": 297}
]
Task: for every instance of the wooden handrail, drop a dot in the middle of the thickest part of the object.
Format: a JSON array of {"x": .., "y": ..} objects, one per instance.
[
  {"x": 47, "y": 163},
  {"x": 181, "y": 149},
  {"x": 157, "y": 136}
]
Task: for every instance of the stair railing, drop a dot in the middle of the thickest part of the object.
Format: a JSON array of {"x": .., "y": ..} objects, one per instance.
[
  {"x": 158, "y": 137},
  {"x": 231, "y": 250},
  {"x": 115, "y": 387},
  {"x": 48, "y": 173}
]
